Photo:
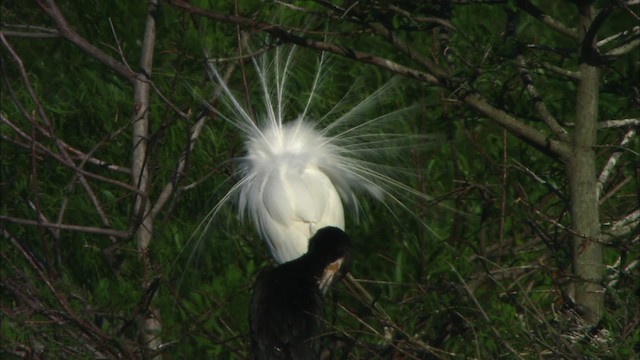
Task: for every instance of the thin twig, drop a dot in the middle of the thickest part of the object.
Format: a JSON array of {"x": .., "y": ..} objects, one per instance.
[
  {"x": 484, "y": 314},
  {"x": 557, "y": 150},
  {"x": 79, "y": 228},
  {"x": 71, "y": 165},
  {"x": 50, "y": 7}
]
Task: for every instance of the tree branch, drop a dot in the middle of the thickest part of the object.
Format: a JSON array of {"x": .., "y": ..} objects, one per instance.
[
  {"x": 618, "y": 123},
  {"x": 285, "y": 35},
  {"x": 621, "y": 227},
  {"x": 70, "y": 164},
  {"x": 538, "y": 102},
  {"x": 613, "y": 160},
  {"x": 552, "y": 23},
  {"x": 634, "y": 31},
  {"x": 558, "y": 70},
  {"x": 149, "y": 325},
  {"x": 557, "y": 149},
  {"x": 79, "y": 228},
  {"x": 50, "y": 7}
]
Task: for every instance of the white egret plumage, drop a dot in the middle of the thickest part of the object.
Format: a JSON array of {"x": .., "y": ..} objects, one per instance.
[{"x": 296, "y": 175}]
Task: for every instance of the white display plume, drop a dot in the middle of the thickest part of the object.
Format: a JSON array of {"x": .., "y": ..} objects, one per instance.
[{"x": 298, "y": 173}]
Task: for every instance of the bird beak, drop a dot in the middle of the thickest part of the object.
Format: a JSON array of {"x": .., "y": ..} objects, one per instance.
[{"x": 329, "y": 274}]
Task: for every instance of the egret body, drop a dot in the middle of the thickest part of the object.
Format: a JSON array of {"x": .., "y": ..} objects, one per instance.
[{"x": 296, "y": 175}]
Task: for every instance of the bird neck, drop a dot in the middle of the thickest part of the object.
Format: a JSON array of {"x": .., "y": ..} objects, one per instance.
[{"x": 306, "y": 265}]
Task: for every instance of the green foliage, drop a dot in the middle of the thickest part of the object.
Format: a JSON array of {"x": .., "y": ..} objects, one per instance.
[{"x": 481, "y": 271}]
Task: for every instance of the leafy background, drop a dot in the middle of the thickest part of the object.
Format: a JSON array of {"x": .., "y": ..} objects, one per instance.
[{"x": 489, "y": 276}]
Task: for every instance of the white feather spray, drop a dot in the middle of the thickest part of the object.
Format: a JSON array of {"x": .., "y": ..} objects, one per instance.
[{"x": 296, "y": 175}]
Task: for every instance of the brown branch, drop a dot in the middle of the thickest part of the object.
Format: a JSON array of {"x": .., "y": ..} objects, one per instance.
[
  {"x": 79, "y": 172},
  {"x": 624, "y": 48},
  {"x": 483, "y": 313},
  {"x": 558, "y": 70},
  {"x": 552, "y": 23},
  {"x": 538, "y": 102},
  {"x": 63, "y": 317},
  {"x": 194, "y": 133},
  {"x": 431, "y": 67},
  {"x": 557, "y": 150},
  {"x": 287, "y": 36},
  {"x": 69, "y": 164},
  {"x": 79, "y": 228},
  {"x": 169, "y": 188},
  {"x": 31, "y": 35},
  {"x": 422, "y": 19},
  {"x": 50, "y": 7}
]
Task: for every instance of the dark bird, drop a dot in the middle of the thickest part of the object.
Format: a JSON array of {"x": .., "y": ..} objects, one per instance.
[{"x": 287, "y": 309}]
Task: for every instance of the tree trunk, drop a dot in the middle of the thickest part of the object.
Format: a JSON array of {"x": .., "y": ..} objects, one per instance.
[
  {"x": 149, "y": 325},
  {"x": 587, "y": 251}
]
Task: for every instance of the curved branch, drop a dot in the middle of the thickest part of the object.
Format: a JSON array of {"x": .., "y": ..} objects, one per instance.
[
  {"x": 285, "y": 35},
  {"x": 558, "y": 150},
  {"x": 79, "y": 228},
  {"x": 538, "y": 102},
  {"x": 552, "y": 23},
  {"x": 50, "y": 7}
]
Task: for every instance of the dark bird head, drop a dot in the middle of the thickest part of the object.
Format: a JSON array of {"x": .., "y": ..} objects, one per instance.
[
  {"x": 330, "y": 250},
  {"x": 287, "y": 309}
]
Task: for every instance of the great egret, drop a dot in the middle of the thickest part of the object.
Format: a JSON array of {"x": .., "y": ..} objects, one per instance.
[
  {"x": 286, "y": 310},
  {"x": 296, "y": 175}
]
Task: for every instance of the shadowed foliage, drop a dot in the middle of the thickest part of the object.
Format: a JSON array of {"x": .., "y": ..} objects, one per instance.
[{"x": 111, "y": 162}]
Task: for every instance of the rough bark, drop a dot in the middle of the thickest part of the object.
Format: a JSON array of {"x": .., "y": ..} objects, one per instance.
[
  {"x": 587, "y": 251},
  {"x": 149, "y": 325}
]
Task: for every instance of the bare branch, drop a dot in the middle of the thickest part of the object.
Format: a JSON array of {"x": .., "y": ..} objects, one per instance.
[
  {"x": 149, "y": 325},
  {"x": 558, "y": 150},
  {"x": 621, "y": 227},
  {"x": 552, "y": 23},
  {"x": 79, "y": 228},
  {"x": 631, "y": 41},
  {"x": 29, "y": 31},
  {"x": 618, "y": 123},
  {"x": 68, "y": 163},
  {"x": 30, "y": 35},
  {"x": 169, "y": 188},
  {"x": 88, "y": 157},
  {"x": 624, "y": 48},
  {"x": 431, "y": 67},
  {"x": 483, "y": 312},
  {"x": 422, "y": 19},
  {"x": 617, "y": 271},
  {"x": 66, "y": 315},
  {"x": 538, "y": 102},
  {"x": 285, "y": 35},
  {"x": 79, "y": 172},
  {"x": 50, "y": 7},
  {"x": 558, "y": 70},
  {"x": 633, "y": 31},
  {"x": 613, "y": 160}
]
